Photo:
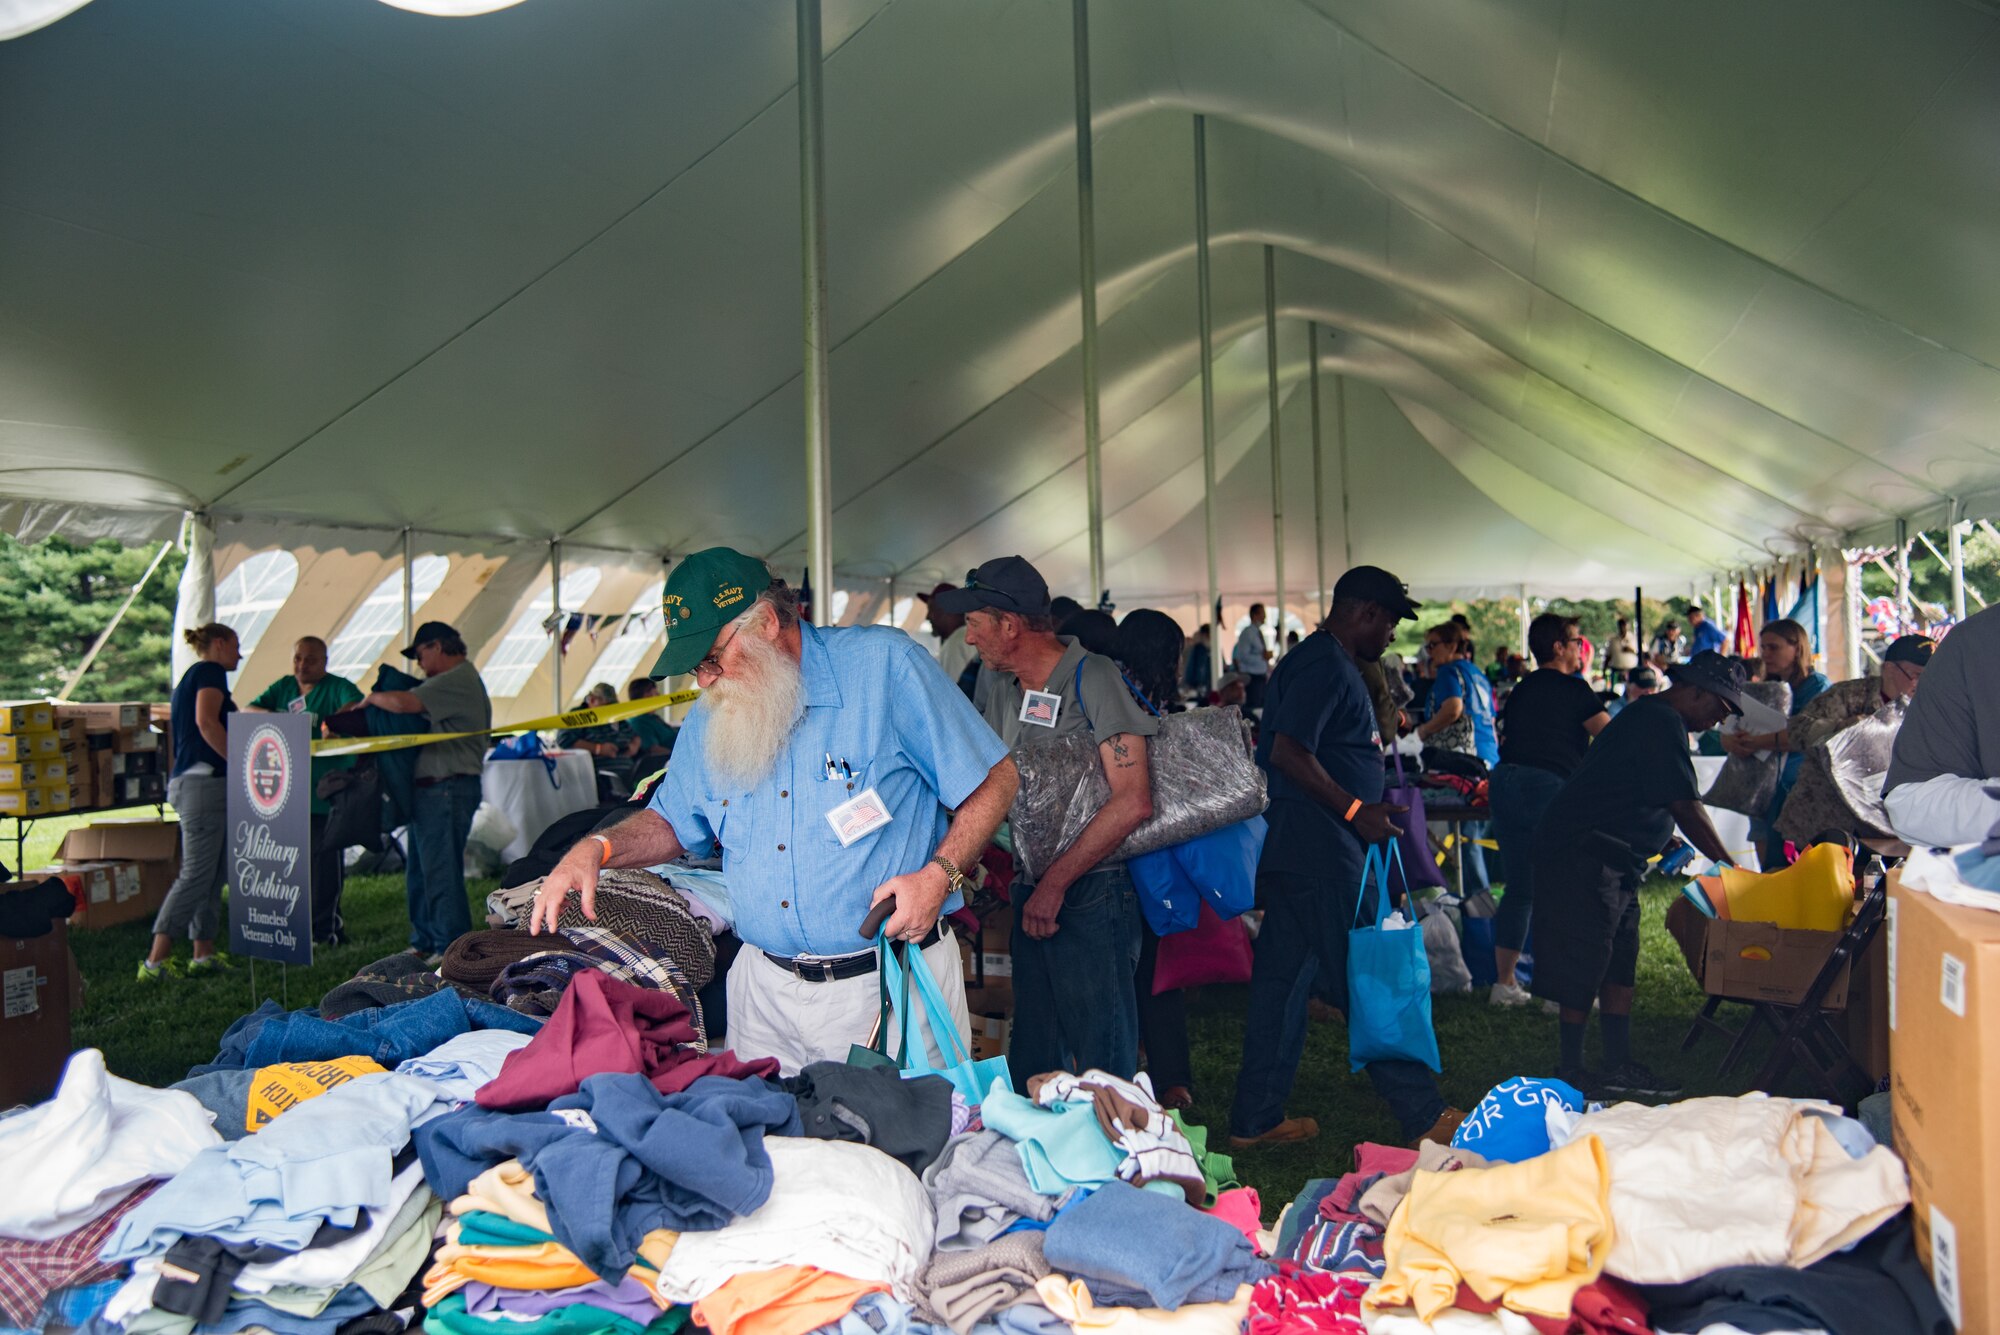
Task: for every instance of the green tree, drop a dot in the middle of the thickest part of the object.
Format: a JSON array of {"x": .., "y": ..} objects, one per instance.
[
  {"x": 56, "y": 597},
  {"x": 1930, "y": 578}
]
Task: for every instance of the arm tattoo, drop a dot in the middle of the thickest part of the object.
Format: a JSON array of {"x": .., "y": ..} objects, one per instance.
[{"x": 1121, "y": 752}]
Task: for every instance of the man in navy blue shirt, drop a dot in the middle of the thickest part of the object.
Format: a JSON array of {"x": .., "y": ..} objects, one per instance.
[{"x": 1323, "y": 752}]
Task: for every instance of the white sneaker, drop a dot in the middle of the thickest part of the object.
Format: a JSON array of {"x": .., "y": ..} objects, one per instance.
[{"x": 1510, "y": 994}]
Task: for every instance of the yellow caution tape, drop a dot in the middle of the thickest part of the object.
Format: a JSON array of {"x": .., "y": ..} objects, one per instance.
[{"x": 575, "y": 718}]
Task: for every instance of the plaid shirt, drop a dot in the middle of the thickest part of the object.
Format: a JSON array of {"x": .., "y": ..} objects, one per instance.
[{"x": 31, "y": 1271}]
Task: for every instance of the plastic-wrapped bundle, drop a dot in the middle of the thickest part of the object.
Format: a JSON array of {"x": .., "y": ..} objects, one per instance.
[
  {"x": 1748, "y": 783},
  {"x": 1203, "y": 779},
  {"x": 1840, "y": 784}
]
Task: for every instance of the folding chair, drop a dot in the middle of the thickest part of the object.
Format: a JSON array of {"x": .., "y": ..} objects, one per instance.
[{"x": 1808, "y": 1036}]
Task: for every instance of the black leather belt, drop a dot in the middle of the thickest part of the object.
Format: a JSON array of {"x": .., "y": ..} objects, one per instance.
[{"x": 847, "y": 966}]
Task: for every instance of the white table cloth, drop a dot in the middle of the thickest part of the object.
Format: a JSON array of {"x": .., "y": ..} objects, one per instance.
[{"x": 533, "y": 798}]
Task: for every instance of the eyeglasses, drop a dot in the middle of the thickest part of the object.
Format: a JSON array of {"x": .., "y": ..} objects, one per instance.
[{"x": 712, "y": 665}]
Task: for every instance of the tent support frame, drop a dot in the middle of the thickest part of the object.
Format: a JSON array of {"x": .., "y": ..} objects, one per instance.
[
  {"x": 1205, "y": 318},
  {"x": 1277, "y": 452},
  {"x": 812, "y": 274},
  {"x": 1086, "y": 253},
  {"x": 1319, "y": 477}
]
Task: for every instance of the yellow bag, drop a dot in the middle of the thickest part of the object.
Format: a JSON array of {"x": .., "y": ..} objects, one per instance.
[{"x": 1815, "y": 893}]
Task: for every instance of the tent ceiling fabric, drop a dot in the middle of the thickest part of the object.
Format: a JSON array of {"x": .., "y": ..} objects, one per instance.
[{"x": 1622, "y": 293}]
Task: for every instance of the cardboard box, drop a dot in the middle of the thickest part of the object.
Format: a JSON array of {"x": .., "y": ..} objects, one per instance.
[
  {"x": 989, "y": 1036},
  {"x": 1944, "y": 1054},
  {"x": 128, "y": 788},
  {"x": 47, "y": 746},
  {"x": 150, "y": 851},
  {"x": 20, "y": 774},
  {"x": 989, "y": 968},
  {"x": 1865, "y": 1026},
  {"x": 135, "y": 739},
  {"x": 69, "y": 731},
  {"x": 134, "y": 762},
  {"x": 1754, "y": 961},
  {"x": 26, "y": 716},
  {"x": 103, "y": 716},
  {"x": 102, "y": 772},
  {"x": 37, "y": 991},
  {"x": 55, "y": 798},
  {"x": 23, "y": 802},
  {"x": 17, "y": 746}
]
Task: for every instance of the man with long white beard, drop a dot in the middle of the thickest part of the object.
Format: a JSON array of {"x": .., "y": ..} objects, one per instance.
[{"x": 835, "y": 767}]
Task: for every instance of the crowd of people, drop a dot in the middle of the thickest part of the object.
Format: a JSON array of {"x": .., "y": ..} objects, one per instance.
[
  {"x": 834, "y": 768},
  {"x": 835, "y": 795}
]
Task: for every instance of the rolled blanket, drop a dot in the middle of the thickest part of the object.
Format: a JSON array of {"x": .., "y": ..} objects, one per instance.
[
  {"x": 385, "y": 982},
  {"x": 477, "y": 958},
  {"x": 636, "y": 905}
]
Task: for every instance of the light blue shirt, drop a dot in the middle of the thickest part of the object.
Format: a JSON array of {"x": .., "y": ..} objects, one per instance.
[
  {"x": 1462, "y": 680},
  {"x": 881, "y": 708}
]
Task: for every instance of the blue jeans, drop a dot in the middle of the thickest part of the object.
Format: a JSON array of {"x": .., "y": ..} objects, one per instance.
[
  {"x": 434, "y": 872},
  {"x": 1520, "y": 794},
  {"x": 1304, "y": 936},
  {"x": 1074, "y": 1005}
]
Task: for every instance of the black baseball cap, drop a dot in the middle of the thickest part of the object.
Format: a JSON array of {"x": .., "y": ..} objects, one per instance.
[
  {"x": 1916, "y": 650},
  {"x": 1711, "y": 672},
  {"x": 1645, "y": 677},
  {"x": 1373, "y": 584},
  {"x": 1004, "y": 584},
  {"x": 430, "y": 632}
]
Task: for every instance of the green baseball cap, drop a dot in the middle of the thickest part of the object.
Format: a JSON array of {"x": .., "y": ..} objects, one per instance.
[{"x": 705, "y": 592}]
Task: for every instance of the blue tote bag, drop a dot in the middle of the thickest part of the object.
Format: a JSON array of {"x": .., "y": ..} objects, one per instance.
[
  {"x": 1388, "y": 978},
  {"x": 972, "y": 1079}
]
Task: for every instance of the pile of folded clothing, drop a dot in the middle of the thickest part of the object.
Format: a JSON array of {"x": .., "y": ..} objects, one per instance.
[{"x": 1548, "y": 1214}]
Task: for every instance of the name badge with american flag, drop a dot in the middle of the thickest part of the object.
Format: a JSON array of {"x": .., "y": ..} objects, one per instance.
[
  {"x": 1041, "y": 708},
  {"x": 860, "y": 815}
]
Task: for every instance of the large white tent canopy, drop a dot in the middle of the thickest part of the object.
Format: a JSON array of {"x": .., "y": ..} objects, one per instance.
[{"x": 1606, "y": 293}]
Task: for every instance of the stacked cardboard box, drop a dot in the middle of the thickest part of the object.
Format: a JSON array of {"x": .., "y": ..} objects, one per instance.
[
  {"x": 33, "y": 779},
  {"x": 1944, "y": 1058},
  {"x": 988, "y": 964},
  {"x": 118, "y": 871},
  {"x": 39, "y": 988},
  {"x": 113, "y": 754}
]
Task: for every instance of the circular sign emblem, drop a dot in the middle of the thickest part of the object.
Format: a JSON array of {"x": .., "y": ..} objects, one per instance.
[{"x": 267, "y": 774}]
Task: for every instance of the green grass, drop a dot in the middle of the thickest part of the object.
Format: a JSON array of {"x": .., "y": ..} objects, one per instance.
[{"x": 154, "y": 1032}]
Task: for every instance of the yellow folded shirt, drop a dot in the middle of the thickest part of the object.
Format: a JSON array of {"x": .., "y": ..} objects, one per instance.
[
  {"x": 507, "y": 1190},
  {"x": 547, "y": 1265},
  {"x": 1526, "y": 1235},
  {"x": 1070, "y": 1300}
]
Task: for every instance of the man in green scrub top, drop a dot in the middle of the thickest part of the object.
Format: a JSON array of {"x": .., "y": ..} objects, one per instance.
[
  {"x": 311, "y": 689},
  {"x": 656, "y": 735}
]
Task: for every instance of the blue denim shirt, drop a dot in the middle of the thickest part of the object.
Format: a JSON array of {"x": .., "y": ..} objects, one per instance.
[{"x": 875, "y": 700}]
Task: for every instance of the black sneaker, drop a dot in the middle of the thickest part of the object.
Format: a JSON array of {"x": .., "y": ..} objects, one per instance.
[
  {"x": 1587, "y": 1083},
  {"x": 1637, "y": 1080}
]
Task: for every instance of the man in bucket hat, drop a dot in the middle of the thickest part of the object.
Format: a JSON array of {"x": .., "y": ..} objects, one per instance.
[
  {"x": 834, "y": 767},
  {"x": 1619, "y": 808}
]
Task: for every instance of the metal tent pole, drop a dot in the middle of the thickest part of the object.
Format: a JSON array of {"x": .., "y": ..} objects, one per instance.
[
  {"x": 1086, "y": 251},
  {"x": 409, "y": 586},
  {"x": 812, "y": 248},
  {"x": 1340, "y": 435},
  {"x": 1205, "y": 319},
  {"x": 1319, "y": 479},
  {"x": 1955, "y": 543},
  {"x": 1277, "y": 454},
  {"x": 1639, "y": 621},
  {"x": 1526, "y": 616},
  {"x": 104, "y": 636},
  {"x": 555, "y": 593},
  {"x": 1903, "y": 577}
]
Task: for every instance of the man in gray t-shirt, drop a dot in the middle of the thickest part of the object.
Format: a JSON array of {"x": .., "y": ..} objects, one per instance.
[
  {"x": 1939, "y": 790},
  {"x": 1076, "y": 929},
  {"x": 454, "y": 699}
]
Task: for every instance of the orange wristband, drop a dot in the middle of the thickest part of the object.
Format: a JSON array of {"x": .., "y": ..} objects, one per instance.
[
  {"x": 1353, "y": 807},
  {"x": 606, "y": 845}
]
